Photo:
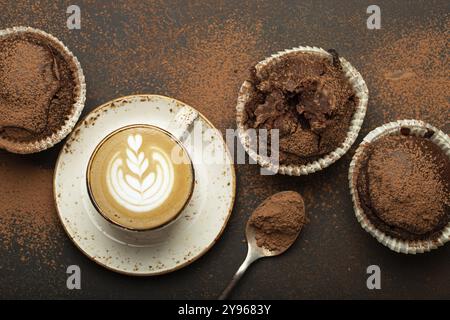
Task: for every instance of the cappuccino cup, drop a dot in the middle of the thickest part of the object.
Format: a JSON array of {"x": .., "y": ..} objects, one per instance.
[{"x": 140, "y": 177}]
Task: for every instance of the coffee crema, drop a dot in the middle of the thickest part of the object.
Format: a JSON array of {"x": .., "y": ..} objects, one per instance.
[{"x": 140, "y": 177}]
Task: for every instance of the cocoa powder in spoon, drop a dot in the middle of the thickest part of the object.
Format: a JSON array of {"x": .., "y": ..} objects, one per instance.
[{"x": 278, "y": 220}]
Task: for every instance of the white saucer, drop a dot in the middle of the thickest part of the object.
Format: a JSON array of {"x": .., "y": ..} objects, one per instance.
[{"x": 150, "y": 252}]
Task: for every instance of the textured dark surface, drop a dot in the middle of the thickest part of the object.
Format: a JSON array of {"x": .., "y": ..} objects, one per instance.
[{"x": 123, "y": 50}]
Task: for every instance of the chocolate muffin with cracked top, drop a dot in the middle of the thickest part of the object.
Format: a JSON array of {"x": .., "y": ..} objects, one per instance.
[
  {"x": 403, "y": 183},
  {"x": 38, "y": 87},
  {"x": 308, "y": 98}
]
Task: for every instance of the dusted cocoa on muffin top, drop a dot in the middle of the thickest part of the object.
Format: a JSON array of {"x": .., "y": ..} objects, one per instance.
[
  {"x": 37, "y": 87},
  {"x": 308, "y": 98},
  {"x": 403, "y": 183}
]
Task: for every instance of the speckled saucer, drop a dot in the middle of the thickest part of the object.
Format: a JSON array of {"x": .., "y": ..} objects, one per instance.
[{"x": 145, "y": 252}]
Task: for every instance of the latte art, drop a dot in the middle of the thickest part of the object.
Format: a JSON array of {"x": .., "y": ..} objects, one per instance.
[{"x": 133, "y": 180}]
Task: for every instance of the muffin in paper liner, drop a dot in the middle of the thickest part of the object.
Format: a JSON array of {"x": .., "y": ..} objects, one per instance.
[
  {"x": 72, "y": 118},
  {"x": 361, "y": 92},
  {"x": 417, "y": 128}
]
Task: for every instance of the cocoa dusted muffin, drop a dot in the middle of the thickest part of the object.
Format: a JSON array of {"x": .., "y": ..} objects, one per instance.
[
  {"x": 308, "y": 98},
  {"x": 403, "y": 183},
  {"x": 38, "y": 87}
]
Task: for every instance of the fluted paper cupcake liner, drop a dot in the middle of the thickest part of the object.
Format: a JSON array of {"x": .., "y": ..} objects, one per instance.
[
  {"x": 417, "y": 128},
  {"x": 80, "y": 96},
  {"x": 361, "y": 92}
]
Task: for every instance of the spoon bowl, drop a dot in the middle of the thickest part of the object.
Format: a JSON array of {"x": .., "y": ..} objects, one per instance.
[{"x": 250, "y": 234}]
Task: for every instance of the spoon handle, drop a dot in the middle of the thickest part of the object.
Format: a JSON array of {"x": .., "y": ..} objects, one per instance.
[{"x": 239, "y": 273}]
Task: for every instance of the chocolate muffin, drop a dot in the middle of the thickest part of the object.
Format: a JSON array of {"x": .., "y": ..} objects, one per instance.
[
  {"x": 38, "y": 87},
  {"x": 308, "y": 98},
  {"x": 403, "y": 183}
]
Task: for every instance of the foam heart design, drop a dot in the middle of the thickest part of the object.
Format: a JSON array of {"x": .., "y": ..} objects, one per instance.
[{"x": 135, "y": 142}]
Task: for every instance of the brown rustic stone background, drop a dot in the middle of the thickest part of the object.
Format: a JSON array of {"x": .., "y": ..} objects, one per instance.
[{"x": 199, "y": 52}]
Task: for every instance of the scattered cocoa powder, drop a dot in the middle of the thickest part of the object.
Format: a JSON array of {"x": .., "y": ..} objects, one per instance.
[
  {"x": 208, "y": 72},
  {"x": 28, "y": 219},
  {"x": 408, "y": 74},
  {"x": 404, "y": 186},
  {"x": 37, "y": 87},
  {"x": 278, "y": 220}
]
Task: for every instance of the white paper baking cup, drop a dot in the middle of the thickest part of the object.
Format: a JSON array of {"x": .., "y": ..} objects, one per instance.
[
  {"x": 361, "y": 92},
  {"x": 72, "y": 118},
  {"x": 417, "y": 128}
]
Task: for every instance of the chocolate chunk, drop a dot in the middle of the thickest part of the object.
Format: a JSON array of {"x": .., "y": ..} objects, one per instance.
[
  {"x": 336, "y": 60},
  {"x": 405, "y": 131}
]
